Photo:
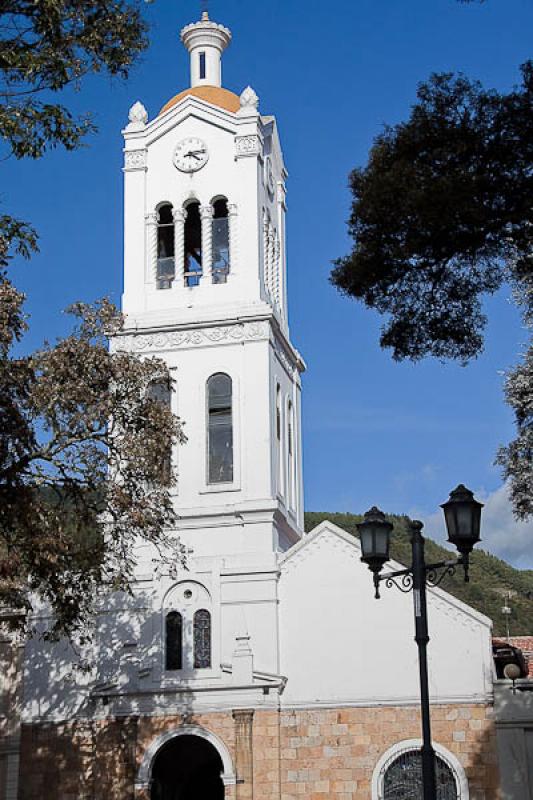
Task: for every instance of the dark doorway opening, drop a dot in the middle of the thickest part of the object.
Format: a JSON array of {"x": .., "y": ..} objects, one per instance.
[{"x": 187, "y": 768}]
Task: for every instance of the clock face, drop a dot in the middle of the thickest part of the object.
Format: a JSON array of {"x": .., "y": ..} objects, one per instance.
[{"x": 190, "y": 154}]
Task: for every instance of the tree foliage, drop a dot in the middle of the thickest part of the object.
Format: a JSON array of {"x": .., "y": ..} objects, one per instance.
[
  {"x": 46, "y": 46},
  {"x": 442, "y": 215},
  {"x": 517, "y": 458},
  {"x": 84, "y": 450},
  {"x": 84, "y": 460}
]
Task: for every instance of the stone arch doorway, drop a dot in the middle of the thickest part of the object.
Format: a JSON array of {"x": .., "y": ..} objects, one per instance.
[{"x": 187, "y": 767}]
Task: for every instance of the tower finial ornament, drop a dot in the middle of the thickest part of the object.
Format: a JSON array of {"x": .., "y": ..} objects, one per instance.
[
  {"x": 204, "y": 9},
  {"x": 206, "y": 41}
]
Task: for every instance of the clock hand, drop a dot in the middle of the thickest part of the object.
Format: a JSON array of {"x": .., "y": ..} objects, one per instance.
[{"x": 193, "y": 154}]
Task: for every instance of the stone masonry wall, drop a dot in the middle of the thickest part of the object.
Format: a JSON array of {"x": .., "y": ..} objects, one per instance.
[
  {"x": 333, "y": 753},
  {"x": 287, "y": 755}
]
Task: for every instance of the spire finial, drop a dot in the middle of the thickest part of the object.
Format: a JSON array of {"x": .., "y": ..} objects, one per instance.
[
  {"x": 205, "y": 41},
  {"x": 205, "y": 9}
]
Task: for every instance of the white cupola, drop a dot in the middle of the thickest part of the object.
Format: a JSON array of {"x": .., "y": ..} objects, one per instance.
[{"x": 206, "y": 41}]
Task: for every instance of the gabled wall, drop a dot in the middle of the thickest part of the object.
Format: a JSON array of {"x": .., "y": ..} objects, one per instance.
[{"x": 341, "y": 646}]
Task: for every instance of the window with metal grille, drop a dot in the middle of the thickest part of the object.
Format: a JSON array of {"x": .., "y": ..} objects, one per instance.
[
  {"x": 220, "y": 238},
  {"x": 219, "y": 429},
  {"x": 402, "y": 778},
  {"x": 161, "y": 392},
  {"x": 202, "y": 66},
  {"x": 165, "y": 247},
  {"x": 173, "y": 643},
  {"x": 202, "y": 639}
]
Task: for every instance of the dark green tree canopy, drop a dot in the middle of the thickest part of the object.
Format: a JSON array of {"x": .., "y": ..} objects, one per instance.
[
  {"x": 44, "y": 47},
  {"x": 443, "y": 214},
  {"x": 48, "y": 44}
]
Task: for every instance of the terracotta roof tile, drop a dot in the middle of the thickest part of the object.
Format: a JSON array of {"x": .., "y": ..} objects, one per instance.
[{"x": 211, "y": 94}]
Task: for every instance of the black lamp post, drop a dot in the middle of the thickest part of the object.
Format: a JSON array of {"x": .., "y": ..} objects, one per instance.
[{"x": 462, "y": 514}]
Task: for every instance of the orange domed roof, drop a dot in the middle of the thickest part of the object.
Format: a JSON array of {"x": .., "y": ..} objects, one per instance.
[{"x": 211, "y": 94}]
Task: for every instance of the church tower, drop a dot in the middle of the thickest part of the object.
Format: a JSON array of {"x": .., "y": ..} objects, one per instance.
[
  {"x": 258, "y": 671},
  {"x": 205, "y": 289}
]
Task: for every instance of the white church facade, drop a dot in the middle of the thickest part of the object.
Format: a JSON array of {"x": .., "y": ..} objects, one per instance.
[{"x": 265, "y": 669}]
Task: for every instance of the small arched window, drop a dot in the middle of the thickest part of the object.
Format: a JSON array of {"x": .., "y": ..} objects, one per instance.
[
  {"x": 173, "y": 641},
  {"x": 402, "y": 778},
  {"x": 165, "y": 246},
  {"x": 202, "y": 639},
  {"x": 220, "y": 241},
  {"x": 193, "y": 245},
  {"x": 219, "y": 429}
]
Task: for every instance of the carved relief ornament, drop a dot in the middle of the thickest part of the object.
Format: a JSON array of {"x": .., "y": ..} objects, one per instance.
[
  {"x": 134, "y": 159},
  {"x": 249, "y": 145},
  {"x": 198, "y": 337}
]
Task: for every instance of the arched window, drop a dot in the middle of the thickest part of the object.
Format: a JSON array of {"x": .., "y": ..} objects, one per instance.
[
  {"x": 202, "y": 639},
  {"x": 402, "y": 778},
  {"x": 165, "y": 246},
  {"x": 290, "y": 454},
  {"x": 193, "y": 245},
  {"x": 278, "y": 413},
  {"x": 173, "y": 641},
  {"x": 278, "y": 438},
  {"x": 220, "y": 238},
  {"x": 161, "y": 392},
  {"x": 219, "y": 429}
]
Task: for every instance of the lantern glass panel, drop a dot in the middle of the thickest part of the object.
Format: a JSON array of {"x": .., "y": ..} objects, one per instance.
[
  {"x": 367, "y": 542},
  {"x": 464, "y": 521},
  {"x": 382, "y": 542}
]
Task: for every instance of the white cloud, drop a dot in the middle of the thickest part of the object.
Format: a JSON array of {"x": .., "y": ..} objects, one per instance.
[{"x": 501, "y": 534}]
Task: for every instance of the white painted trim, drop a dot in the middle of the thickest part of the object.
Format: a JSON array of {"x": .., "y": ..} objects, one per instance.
[
  {"x": 144, "y": 774},
  {"x": 415, "y": 744},
  {"x": 452, "y": 700}
]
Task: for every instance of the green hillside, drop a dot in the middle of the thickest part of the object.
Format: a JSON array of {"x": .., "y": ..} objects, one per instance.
[{"x": 490, "y": 577}]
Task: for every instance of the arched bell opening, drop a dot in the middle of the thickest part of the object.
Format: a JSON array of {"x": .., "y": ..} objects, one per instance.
[
  {"x": 187, "y": 767},
  {"x": 193, "y": 244}
]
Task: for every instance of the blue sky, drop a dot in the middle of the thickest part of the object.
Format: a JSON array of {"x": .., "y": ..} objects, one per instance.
[{"x": 375, "y": 432}]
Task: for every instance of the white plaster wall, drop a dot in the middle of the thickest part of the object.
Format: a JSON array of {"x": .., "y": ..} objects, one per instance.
[{"x": 340, "y": 645}]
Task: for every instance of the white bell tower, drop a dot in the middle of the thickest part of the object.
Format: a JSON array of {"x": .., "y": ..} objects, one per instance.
[{"x": 205, "y": 289}]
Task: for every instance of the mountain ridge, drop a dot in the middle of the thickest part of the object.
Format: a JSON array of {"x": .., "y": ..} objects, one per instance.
[{"x": 493, "y": 582}]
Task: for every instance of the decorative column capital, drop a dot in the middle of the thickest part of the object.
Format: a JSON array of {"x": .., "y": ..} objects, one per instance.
[
  {"x": 206, "y": 212},
  {"x": 232, "y": 209},
  {"x": 243, "y": 715},
  {"x": 151, "y": 218},
  {"x": 179, "y": 215}
]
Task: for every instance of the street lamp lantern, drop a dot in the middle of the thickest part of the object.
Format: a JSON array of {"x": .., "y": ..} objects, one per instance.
[
  {"x": 462, "y": 514},
  {"x": 375, "y": 533},
  {"x": 463, "y": 517}
]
